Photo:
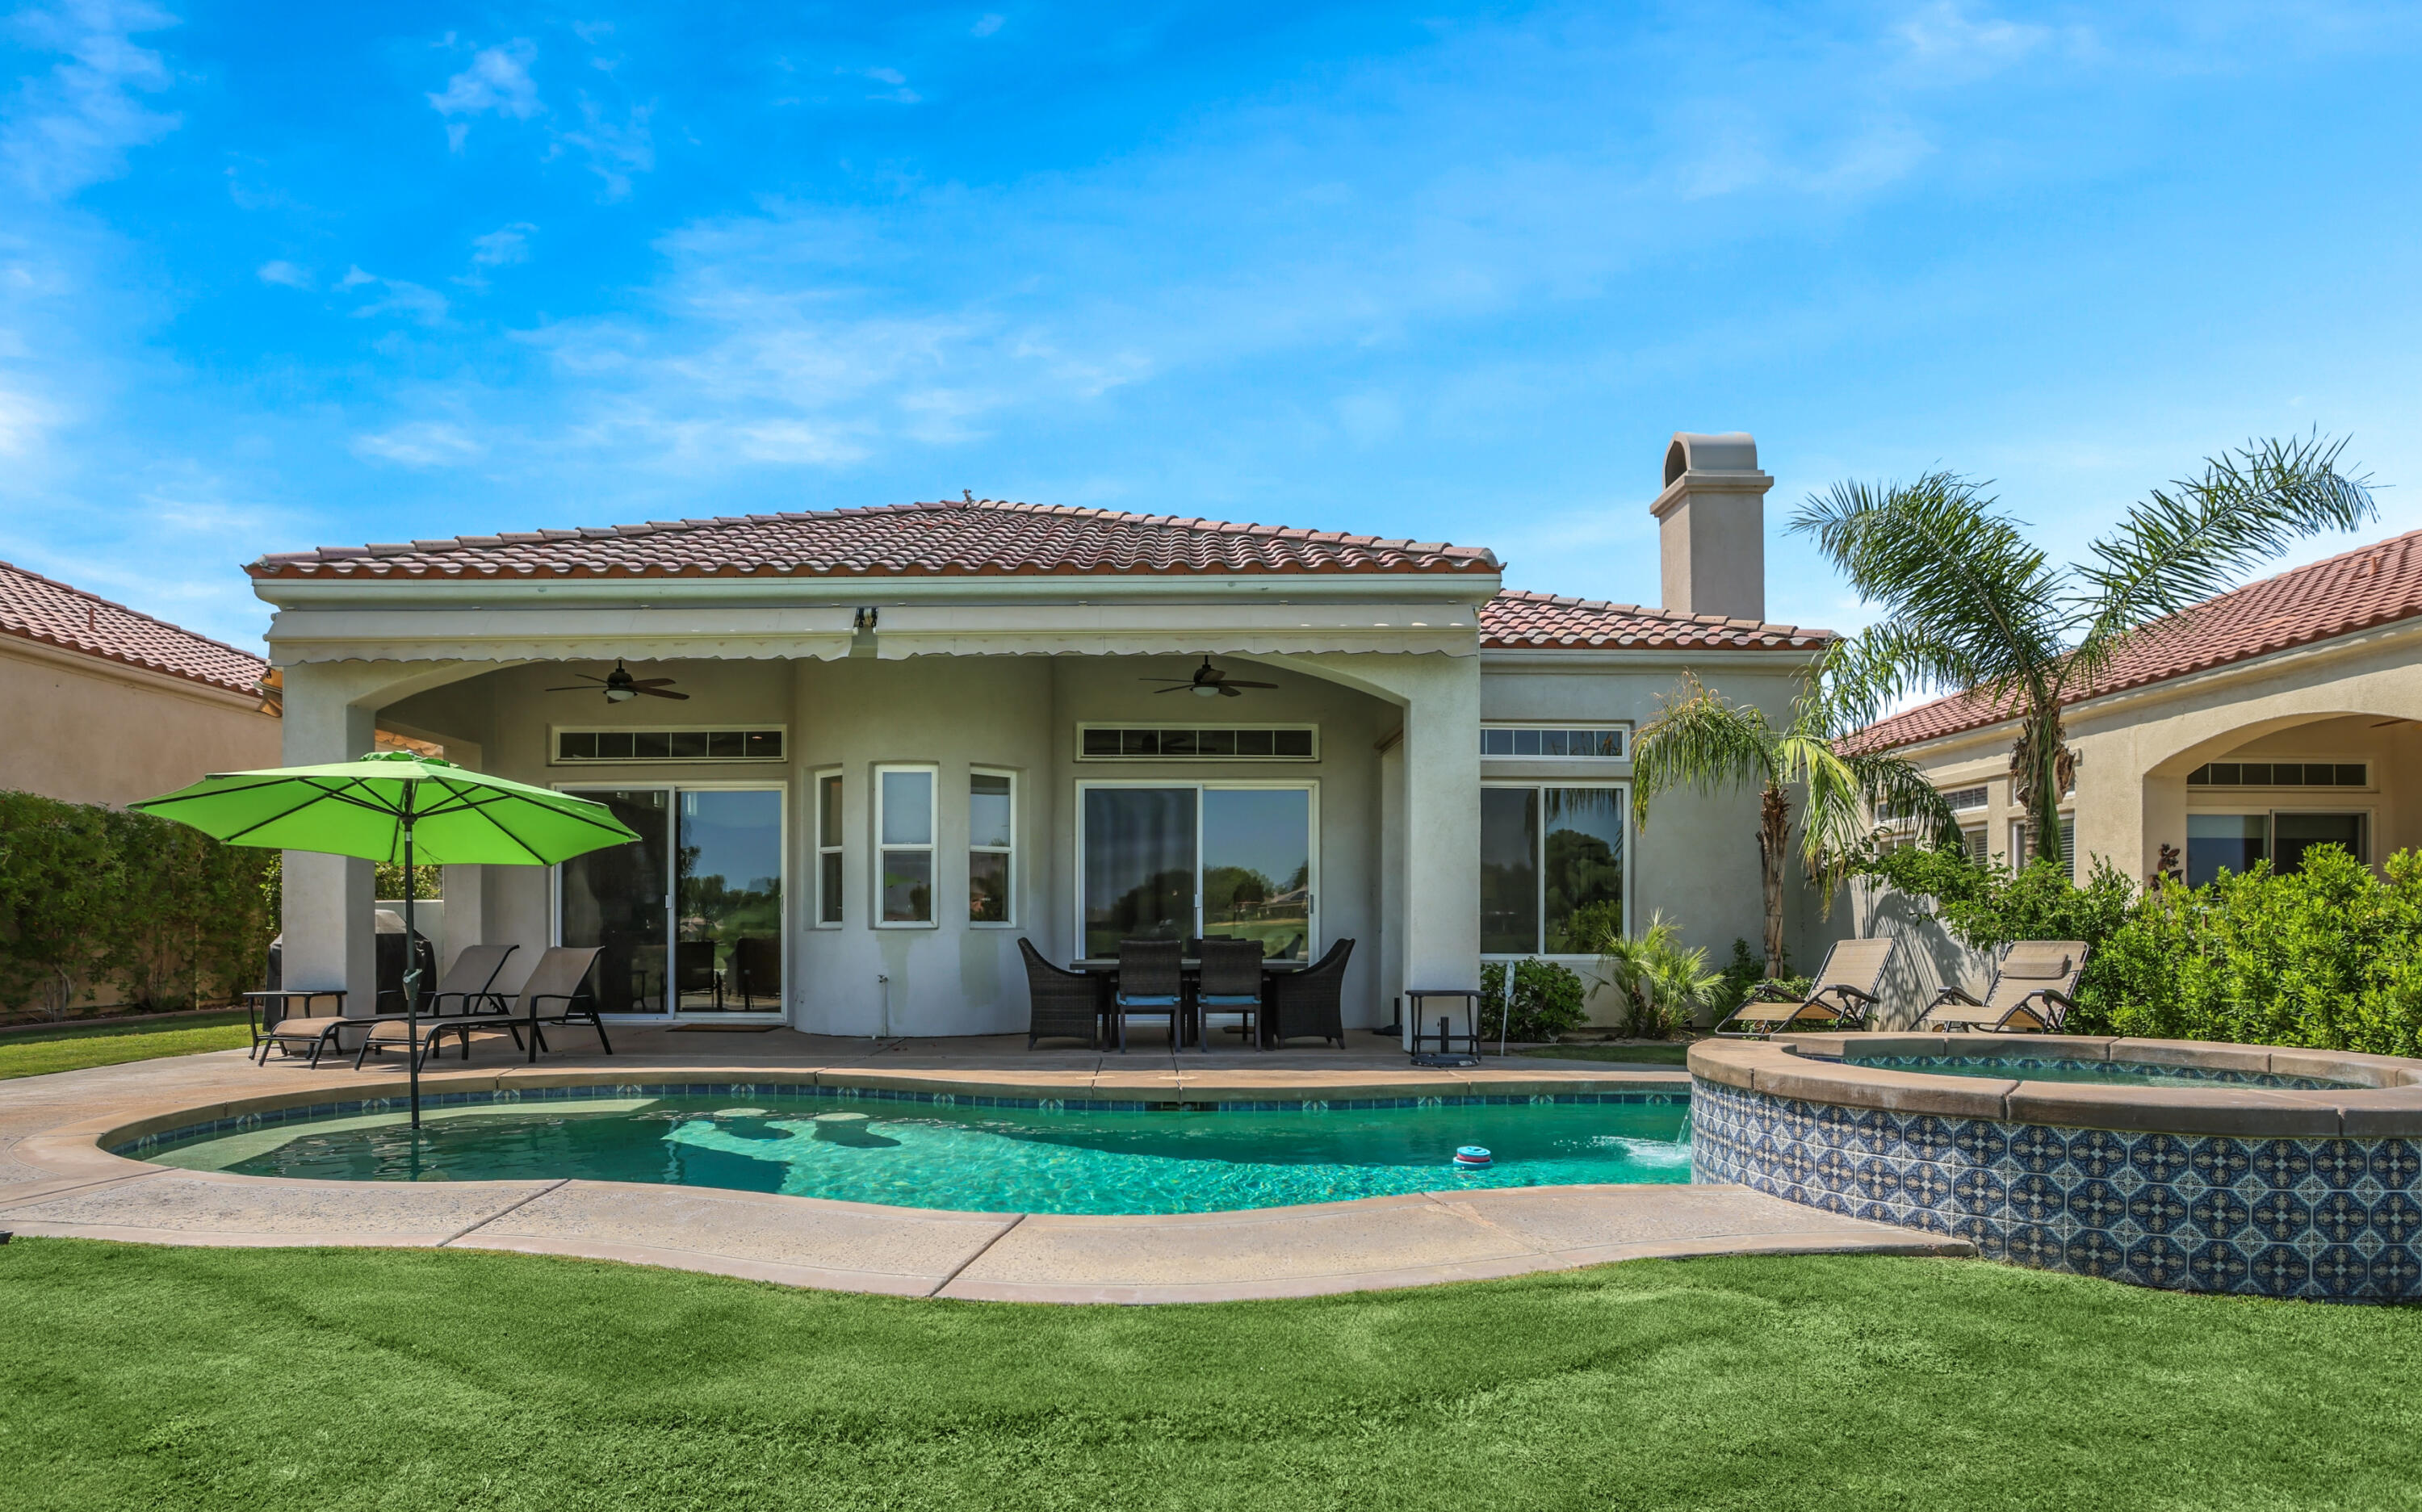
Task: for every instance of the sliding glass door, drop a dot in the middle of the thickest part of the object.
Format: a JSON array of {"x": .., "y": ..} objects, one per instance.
[
  {"x": 1180, "y": 861},
  {"x": 687, "y": 917}
]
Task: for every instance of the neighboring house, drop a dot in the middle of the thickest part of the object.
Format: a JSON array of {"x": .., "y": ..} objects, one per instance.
[
  {"x": 2278, "y": 717},
  {"x": 908, "y": 736},
  {"x": 103, "y": 704}
]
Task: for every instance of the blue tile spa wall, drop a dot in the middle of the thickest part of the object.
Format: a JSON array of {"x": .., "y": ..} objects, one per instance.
[{"x": 2331, "y": 1219}]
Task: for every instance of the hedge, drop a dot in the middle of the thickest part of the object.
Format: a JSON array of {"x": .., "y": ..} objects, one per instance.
[
  {"x": 2329, "y": 956},
  {"x": 96, "y": 900}
]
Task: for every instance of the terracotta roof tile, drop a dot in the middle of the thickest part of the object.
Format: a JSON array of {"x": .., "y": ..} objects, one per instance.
[
  {"x": 979, "y": 538},
  {"x": 36, "y": 608},
  {"x": 1514, "y": 619},
  {"x": 2373, "y": 585}
]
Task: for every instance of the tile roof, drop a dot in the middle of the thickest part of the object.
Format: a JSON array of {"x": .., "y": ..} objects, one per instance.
[
  {"x": 977, "y": 537},
  {"x": 2373, "y": 585},
  {"x": 1514, "y": 619},
  {"x": 36, "y": 608}
]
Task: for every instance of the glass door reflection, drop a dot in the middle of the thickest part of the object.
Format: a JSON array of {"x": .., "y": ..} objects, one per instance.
[
  {"x": 727, "y": 895},
  {"x": 616, "y": 899},
  {"x": 1257, "y": 868}
]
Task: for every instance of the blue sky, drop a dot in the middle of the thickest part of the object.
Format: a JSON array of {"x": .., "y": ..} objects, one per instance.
[{"x": 274, "y": 277}]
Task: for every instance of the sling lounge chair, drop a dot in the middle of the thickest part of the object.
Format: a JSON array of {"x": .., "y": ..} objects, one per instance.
[
  {"x": 555, "y": 992},
  {"x": 1844, "y": 990},
  {"x": 2035, "y": 985},
  {"x": 467, "y": 991}
]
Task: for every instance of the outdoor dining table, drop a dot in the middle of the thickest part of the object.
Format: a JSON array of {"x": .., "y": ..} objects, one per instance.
[{"x": 1104, "y": 969}]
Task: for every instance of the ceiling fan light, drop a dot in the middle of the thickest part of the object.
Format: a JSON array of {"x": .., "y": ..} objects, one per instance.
[
  {"x": 621, "y": 695},
  {"x": 1206, "y": 690}
]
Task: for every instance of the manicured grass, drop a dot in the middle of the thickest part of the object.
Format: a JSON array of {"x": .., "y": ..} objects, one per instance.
[
  {"x": 163, "y": 1378},
  {"x": 1664, "y": 1052},
  {"x": 71, "y": 1048}
]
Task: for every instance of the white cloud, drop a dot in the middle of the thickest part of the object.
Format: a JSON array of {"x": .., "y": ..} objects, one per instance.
[
  {"x": 280, "y": 271},
  {"x": 497, "y": 81},
  {"x": 73, "y": 126},
  {"x": 615, "y": 151},
  {"x": 24, "y": 420},
  {"x": 420, "y": 444},
  {"x": 506, "y": 243},
  {"x": 398, "y": 297},
  {"x": 1945, "y": 31},
  {"x": 986, "y": 26}
]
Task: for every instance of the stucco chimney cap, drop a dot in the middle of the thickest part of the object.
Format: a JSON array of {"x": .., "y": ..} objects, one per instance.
[{"x": 1732, "y": 451}]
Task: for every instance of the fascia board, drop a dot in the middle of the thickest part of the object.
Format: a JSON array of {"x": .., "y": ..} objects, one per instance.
[{"x": 857, "y": 590}]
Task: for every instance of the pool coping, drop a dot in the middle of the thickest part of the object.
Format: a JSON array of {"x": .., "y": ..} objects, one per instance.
[
  {"x": 1371, "y": 1243},
  {"x": 1825, "y": 1068}
]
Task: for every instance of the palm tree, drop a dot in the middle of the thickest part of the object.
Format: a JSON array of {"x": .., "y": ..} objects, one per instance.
[
  {"x": 1703, "y": 741},
  {"x": 1969, "y": 604}
]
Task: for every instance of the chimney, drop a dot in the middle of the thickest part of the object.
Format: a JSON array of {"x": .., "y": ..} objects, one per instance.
[{"x": 1712, "y": 521}]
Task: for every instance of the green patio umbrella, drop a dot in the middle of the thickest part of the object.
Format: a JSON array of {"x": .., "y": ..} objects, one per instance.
[{"x": 395, "y": 806}]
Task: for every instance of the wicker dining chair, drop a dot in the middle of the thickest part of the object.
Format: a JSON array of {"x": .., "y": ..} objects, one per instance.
[
  {"x": 1152, "y": 982},
  {"x": 1231, "y": 983},
  {"x": 1312, "y": 1002},
  {"x": 1060, "y": 1005}
]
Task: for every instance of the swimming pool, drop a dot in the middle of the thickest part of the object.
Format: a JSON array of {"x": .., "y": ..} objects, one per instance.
[{"x": 1032, "y": 1159}]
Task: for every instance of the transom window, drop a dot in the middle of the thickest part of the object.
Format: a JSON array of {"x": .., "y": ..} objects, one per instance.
[
  {"x": 1194, "y": 743},
  {"x": 1565, "y": 742},
  {"x": 2280, "y": 774},
  {"x": 1551, "y": 862},
  {"x": 709, "y": 743},
  {"x": 1960, "y": 799}
]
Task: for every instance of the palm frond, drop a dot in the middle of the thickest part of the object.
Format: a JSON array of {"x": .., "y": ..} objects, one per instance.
[
  {"x": 2192, "y": 541},
  {"x": 1968, "y": 600},
  {"x": 1704, "y": 742}
]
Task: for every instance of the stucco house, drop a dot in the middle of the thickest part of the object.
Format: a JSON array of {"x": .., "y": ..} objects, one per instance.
[
  {"x": 101, "y": 703},
  {"x": 2282, "y": 714},
  {"x": 869, "y": 748}
]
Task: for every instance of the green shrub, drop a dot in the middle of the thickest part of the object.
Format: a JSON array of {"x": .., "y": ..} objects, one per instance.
[
  {"x": 100, "y": 900},
  {"x": 2330, "y": 957},
  {"x": 1546, "y": 1000}
]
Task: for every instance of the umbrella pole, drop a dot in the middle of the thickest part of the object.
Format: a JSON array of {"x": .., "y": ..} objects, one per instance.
[{"x": 411, "y": 965}]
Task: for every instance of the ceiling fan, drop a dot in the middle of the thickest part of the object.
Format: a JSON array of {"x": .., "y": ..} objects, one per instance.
[
  {"x": 622, "y": 687},
  {"x": 1207, "y": 681}
]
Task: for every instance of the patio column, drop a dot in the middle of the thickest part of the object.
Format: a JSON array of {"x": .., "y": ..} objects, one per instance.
[
  {"x": 1439, "y": 945},
  {"x": 328, "y": 898}
]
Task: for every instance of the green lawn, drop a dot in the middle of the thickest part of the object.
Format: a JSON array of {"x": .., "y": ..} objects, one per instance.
[
  {"x": 71, "y": 1048},
  {"x": 1667, "y": 1052},
  {"x": 202, "y": 1379}
]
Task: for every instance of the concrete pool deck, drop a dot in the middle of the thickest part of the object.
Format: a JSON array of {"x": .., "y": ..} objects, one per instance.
[{"x": 56, "y": 1179}]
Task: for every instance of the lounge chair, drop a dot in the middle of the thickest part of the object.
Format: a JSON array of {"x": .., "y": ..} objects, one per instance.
[
  {"x": 1060, "y": 1005},
  {"x": 2035, "y": 985},
  {"x": 1230, "y": 982},
  {"x": 466, "y": 990},
  {"x": 560, "y": 978},
  {"x": 1311, "y": 1002},
  {"x": 1151, "y": 981},
  {"x": 1844, "y": 991}
]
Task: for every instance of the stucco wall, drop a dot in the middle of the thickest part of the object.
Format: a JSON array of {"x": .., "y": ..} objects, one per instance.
[
  {"x": 1696, "y": 859},
  {"x": 82, "y": 730}
]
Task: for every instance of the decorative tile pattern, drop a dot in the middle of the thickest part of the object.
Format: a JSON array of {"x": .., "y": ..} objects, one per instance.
[
  {"x": 2336, "y": 1219},
  {"x": 2018, "y": 1066}
]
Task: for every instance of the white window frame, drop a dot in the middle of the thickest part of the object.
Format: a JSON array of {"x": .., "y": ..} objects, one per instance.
[
  {"x": 820, "y": 845},
  {"x": 2270, "y": 817},
  {"x": 1084, "y": 725},
  {"x": 932, "y": 847},
  {"x": 1313, "y": 941},
  {"x": 1008, "y": 851},
  {"x": 2020, "y": 855},
  {"x": 673, "y": 789},
  {"x": 1630, "y": 850},
  {"x": 1617, "y": 727}
]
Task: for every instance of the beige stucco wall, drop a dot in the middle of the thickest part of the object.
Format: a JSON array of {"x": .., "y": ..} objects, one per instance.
[{"x": 88, "y": 731}]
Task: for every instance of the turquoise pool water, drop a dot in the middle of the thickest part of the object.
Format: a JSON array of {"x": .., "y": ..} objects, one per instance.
[
  {"x": 984, "y": 1159},
  {"x": 2101, "y": 1073}
]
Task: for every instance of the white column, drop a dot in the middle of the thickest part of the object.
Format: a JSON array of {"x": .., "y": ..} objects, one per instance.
[
  {"x": 1393, "y": 828},
  {"x": 327, "y": 898},
  {"x": 1440, "y": 945}
]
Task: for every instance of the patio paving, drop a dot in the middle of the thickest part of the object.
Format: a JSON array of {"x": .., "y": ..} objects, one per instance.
[{"x": 55, "y": 1180}]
